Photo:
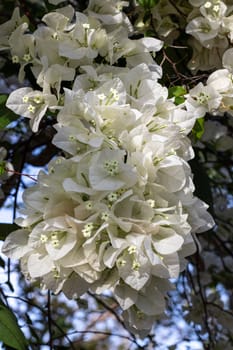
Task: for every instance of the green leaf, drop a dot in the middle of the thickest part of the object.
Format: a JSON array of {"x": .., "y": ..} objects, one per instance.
[
  {"x": 148, "y": 4},
  {"x": 3, "y": 99},
  {"x": 6, "y": 119},
  {"x": 2, "y": 167},
  {"x": 5, "y": 229},
  {"x": 179, "y": 100},
  {"x": 6, "y": 115},
  {"x": 198, "y": 128},
  {"x": 176, "y": 91},
  {"x": 10, "y": 332}
]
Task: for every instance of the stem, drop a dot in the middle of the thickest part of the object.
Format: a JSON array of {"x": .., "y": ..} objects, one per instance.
[{"x": 50, "y": 321}]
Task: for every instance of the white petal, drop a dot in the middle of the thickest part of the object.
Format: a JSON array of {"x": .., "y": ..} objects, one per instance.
[
  {"x": 125, "y": 296},
  {"x": 39, "y": 265},
  {"x": 65, "y": 246},
  {"x": 153, "y": 303},
  {"x": 168, "y": 245},
  {"x": 74, "y": 286},
  {"x": 16, "y": 244}
]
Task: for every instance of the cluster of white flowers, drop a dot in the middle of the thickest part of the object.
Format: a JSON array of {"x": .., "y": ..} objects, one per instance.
[
  {"x": 216, "y": 96},
  {"x": 117, "y": 212},
  {"x": 211, "y": 25}
]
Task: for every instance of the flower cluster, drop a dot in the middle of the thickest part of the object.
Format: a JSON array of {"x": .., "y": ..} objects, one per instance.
[
  {"x": 57, "y": 49},
  {"x": 211, "y": 25},
  {"x": 215, "y": 96},
  {"x": 168, "y": 18},
  {"x": 117, "y": 212}
]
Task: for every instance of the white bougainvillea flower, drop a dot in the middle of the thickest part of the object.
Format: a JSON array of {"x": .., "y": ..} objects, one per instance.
[
  {"x": 17, "y": 243},
  {"x": 221, "y": 81},
  {"x": 109, "y": 12},
  {"x": 138, "y": 315},
  {"x": 31, "y": 104},
  {"x": 8, "y": 27},
  {"x": 52, "y": 77},
  {"x": 109, "y": 170},
  {"x": 110, "y": 93},
  {"x": 213, "y": 11},
  {"x": 202, "y": 99},
  {"x": 205, "y": 59},
  {"x": 142, "y": 87},
  {"x": 184, "y": 120},
  {"x": 171, "y": 173},
  {"x": 60, "y": 19},
  {"x": 141, "y": 52},
  {"x": 135, "y": 51},
  {"x": 85, "y": 40},
  {"x": 24, "y": 53},
  {"x": 47, "y": 49},
  {"x": 75, "y": 143},
  {"x": 55, "y": 236},
  {"x": 203, "y": 30},
  {"x": 117, "y": 212},
  {"x": 227, "y": 59},
  {"x": 228, "y": 26},
  {"x": 39, "y": 264},
  {"x": 73, "y": 286}
]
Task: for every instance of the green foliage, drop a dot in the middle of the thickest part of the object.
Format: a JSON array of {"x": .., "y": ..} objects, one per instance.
[
  {"x": 178, "y": 93},
  {"x": 2, "y": 167},
  {"x": 6, "y": 116},
  {"x": 148, "y": 4},
  {"x": 198, "y": 129},
  {"x": 10, "y": 332}
]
